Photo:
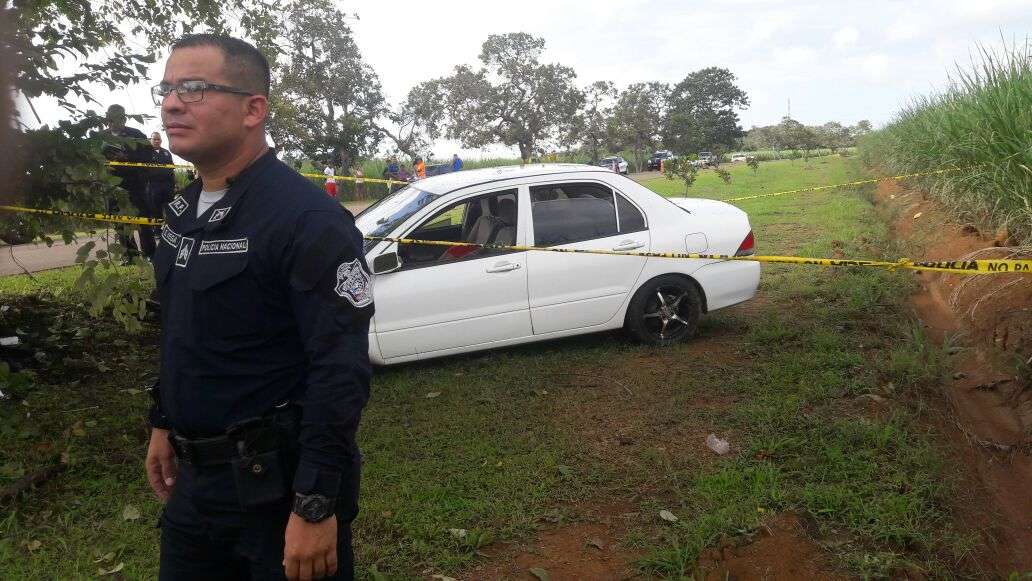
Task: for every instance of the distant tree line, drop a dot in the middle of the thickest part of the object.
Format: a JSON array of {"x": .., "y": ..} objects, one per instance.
[{"x": 793, "y": 135}]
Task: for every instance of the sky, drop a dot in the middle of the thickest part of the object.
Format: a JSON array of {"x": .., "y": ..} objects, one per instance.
[{"x": 835, "y": 60}]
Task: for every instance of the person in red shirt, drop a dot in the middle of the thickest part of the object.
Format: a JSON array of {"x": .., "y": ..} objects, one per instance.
[{"x": 331, "y": 182}]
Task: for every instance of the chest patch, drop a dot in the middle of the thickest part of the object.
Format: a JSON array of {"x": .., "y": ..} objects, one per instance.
[
  {"x": 185, "y": 248},
  {"x": 178, "y": 205},
  {"x": 217, "y": 216},
  {"x": 236, "y": 246},
  {"x": 170, "y": 236},
  {"x": 354, "y": 284}
]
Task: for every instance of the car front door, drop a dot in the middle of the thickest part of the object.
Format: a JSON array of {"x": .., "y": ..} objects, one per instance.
[
  {"x": 450, "y": 297},
  {"x": 573, "y": 291}
]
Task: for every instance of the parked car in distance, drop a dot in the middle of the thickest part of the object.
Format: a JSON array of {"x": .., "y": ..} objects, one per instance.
[
  {"x": 707, "y": 159},
  {"x": 615, "y": 163},
  {"x": 444, "y": 299},
  {"x": 658, "y": 157},
  {"x": 739, "y": 157}
]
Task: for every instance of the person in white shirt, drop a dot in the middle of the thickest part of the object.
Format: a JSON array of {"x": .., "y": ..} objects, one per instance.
[{"x": 331, "y": 183}]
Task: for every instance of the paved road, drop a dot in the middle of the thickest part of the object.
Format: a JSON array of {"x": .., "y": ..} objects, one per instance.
[{"x": 38, "y": 256}]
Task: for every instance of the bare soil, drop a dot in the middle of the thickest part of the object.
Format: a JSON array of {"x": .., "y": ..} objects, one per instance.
[
  {"x": 986, "y": 319},
  {"x": 782, "y": 550},
  {"x": 617, "y": 410}
]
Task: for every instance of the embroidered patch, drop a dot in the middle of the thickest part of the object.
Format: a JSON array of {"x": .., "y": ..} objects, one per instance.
[
  {"x": 354, "y": 284},
  {"x": 170, "y": 236},
  {"x": 179, "y": 205},
  {"x": 185, "y": 248},
  {"x": 237, "y": 246},
  {"x": 217, "y": 216}
]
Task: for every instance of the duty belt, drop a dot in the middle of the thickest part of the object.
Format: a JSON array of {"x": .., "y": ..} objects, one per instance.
[{"x": 256, "y": 435}]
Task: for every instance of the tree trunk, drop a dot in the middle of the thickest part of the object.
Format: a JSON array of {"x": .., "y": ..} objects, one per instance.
[{"x": 526, "y": 150}]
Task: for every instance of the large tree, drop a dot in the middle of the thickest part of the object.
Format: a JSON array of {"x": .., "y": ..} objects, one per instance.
[
  {"x": 592, "y": 124},
  {"x": 636, "y": 119},
  {"x": 833, "y": 135},
  {"x": 512, "y": 99},
  {"x": 415, "y": 123},
  {"x": 64, "y": 51},
  {"x": 326, "y": 97},
  {"x": 702, "y": 111}
]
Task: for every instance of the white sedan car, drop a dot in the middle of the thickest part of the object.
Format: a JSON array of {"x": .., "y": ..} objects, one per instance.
[
  {"x": 616, "y": 163},
  {"x": 435, "y": 300}
]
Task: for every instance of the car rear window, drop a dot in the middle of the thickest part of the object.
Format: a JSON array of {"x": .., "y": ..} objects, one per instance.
[
  {"x": 631, "y": 218},
  {"x": 572, "y": 212}
]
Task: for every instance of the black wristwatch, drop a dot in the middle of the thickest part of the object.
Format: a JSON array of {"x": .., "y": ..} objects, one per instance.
[{"x": 313, "y": 507}]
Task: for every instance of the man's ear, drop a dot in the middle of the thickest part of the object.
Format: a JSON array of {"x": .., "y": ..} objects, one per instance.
[{"x": 256, "y": 110}]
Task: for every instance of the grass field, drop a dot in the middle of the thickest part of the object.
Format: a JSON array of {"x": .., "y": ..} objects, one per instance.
[{"x": 508, "y": 443}]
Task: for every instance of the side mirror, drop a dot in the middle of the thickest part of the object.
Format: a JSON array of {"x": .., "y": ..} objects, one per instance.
[{"x": 387, "y": 262}]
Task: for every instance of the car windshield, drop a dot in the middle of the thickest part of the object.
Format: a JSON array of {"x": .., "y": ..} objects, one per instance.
[
  {"x": 383, "y": 217},
  {"x": 608, "y": 160}
]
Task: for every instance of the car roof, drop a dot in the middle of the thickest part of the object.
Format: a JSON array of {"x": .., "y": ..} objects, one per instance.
[{"x": 449, "y": 182}]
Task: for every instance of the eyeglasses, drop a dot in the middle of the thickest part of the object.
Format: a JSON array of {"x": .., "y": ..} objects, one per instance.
[{"x": 191, "y": 91}]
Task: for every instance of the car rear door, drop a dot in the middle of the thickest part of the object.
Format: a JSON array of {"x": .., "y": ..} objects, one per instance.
[
  {"x": 451, "y": 297},
  {"x": 573, "y": 291}
]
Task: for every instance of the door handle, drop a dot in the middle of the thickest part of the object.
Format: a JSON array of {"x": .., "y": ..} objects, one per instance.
[
  {"x": 628, "y": 245},
  {"x": 504, "y": 267}
]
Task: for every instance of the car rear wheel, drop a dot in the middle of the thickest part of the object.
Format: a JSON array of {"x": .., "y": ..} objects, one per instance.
[{"x": 664, "y": 311}]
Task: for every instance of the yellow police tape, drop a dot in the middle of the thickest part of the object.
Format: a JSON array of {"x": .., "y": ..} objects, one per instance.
[
  {"x": 981, "y": 266},
  {"x": 117, "y": 218},
  {"x": 842, "y": 185},
  {"x": 307, "y": 175}
]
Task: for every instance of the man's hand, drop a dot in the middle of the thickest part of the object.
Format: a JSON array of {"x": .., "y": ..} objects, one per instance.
[
  {"x": 310, "y": 549},
  {"x": 161, "y": 464}
]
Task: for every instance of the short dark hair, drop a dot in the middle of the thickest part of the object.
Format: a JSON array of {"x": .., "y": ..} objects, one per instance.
[{"x": 246, "y": 66}]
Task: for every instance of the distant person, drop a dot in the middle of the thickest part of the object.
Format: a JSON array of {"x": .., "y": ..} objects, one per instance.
[
  {"x": 161, "y": 182},
  {"x": 456, "y": 163},
  {"x": 128, "y": 144},
  {"x": 360, "y": 190},
  {"x": 420, "y": 168},
  {"x": 331, "y": 182}
]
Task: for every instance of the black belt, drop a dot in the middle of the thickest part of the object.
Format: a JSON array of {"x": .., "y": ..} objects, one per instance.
[{"x": 253, "y": 436}]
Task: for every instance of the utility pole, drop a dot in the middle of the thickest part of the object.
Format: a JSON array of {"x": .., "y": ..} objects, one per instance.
[{"x": 790, "y": 107}]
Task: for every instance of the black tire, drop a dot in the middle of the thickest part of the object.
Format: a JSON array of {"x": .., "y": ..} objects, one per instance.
[{"x": 671, "y": 320}]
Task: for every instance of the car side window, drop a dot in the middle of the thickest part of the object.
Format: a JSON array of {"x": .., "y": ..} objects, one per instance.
[
  {"x": 631, "y": 218},
  {"x": 572, "y": 212},
  {"x": 487, "y": 219}
]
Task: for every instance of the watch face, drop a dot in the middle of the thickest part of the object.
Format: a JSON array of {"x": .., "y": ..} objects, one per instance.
[{"x": 315, "y": 507}]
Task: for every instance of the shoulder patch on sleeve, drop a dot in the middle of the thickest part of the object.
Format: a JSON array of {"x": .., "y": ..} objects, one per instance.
[{"x": 354, "y": 283}]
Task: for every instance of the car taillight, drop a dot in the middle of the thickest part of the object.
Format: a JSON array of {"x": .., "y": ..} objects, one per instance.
[{"x": 748, "y": 246}]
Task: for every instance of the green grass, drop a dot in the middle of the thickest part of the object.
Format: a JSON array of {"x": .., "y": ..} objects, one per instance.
[
  {"x": 520, "y": 439},
  {"x": 771, "y": 176},
  {"x": 981, "y": 124}
]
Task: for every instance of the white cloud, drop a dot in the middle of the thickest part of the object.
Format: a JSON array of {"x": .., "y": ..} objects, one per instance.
[
  {"x": 904, "y": 29},
  {"x": 845, "y": 37},
  {"x": 875, "y": 66},
  {"x": 814, "y": 51}
]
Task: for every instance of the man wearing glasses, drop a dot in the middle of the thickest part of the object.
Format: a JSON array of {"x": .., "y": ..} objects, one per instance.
[{"x": 266, "y": 301}]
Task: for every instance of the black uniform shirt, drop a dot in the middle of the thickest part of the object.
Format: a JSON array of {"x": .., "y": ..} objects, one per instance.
[
  {"x": 162, "y": 177},
  {"x": 266, "y": 298},
  {"x": 133, "y": 178}
]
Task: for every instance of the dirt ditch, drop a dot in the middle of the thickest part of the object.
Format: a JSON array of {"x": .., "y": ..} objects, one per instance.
[{"x": 985, "y": 322}]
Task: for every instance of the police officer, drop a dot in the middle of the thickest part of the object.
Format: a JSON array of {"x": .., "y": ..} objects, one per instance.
[
  {"x": 266, "y": 301},
  {"x": 161, "y": 182},
  {"x": 126, "y": 144}
]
